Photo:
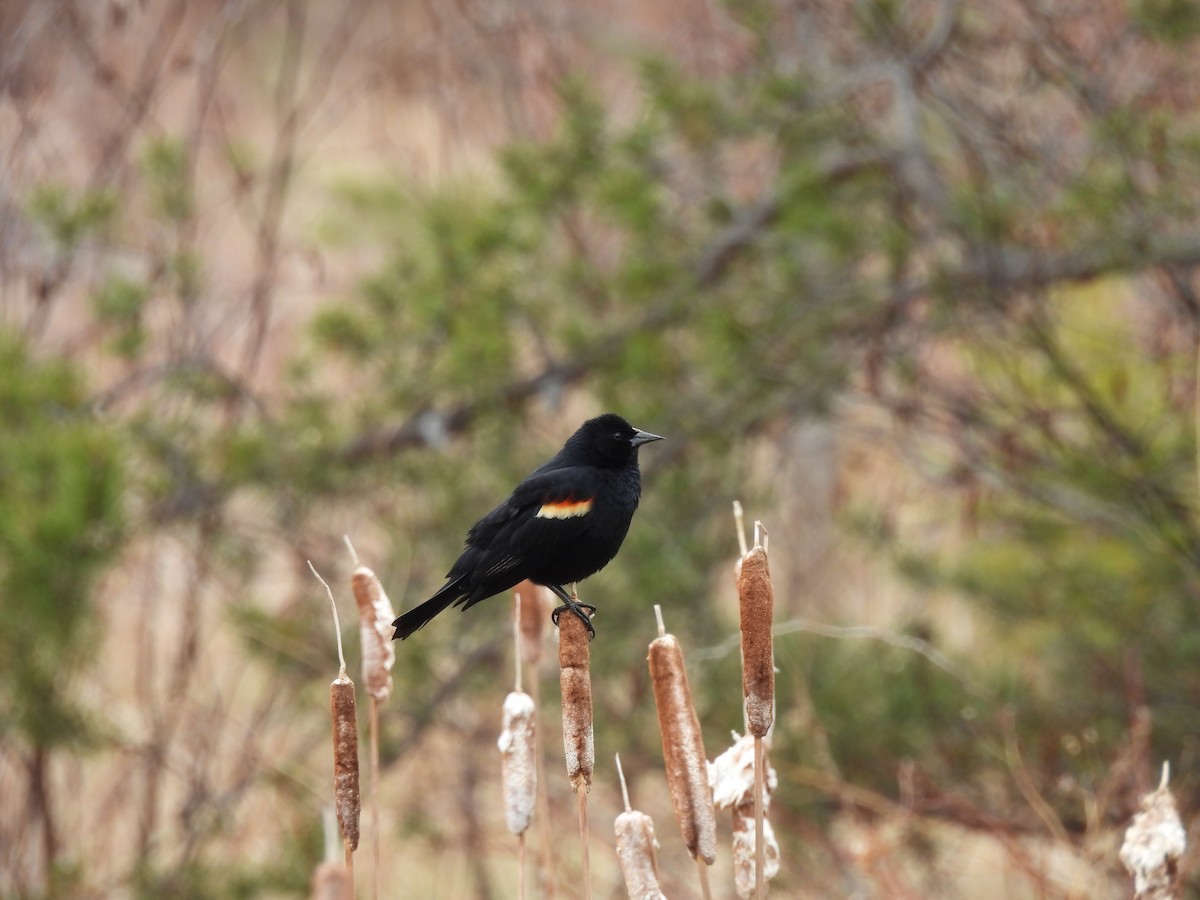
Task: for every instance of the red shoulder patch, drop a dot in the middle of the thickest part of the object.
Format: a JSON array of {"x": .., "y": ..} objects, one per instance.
[{"x": 564, "y": 509}]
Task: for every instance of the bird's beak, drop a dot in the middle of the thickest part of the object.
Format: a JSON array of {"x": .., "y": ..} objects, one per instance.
[{"x": 644, "y": 437}]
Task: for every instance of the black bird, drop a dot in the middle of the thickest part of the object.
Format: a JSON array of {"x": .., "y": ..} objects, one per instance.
[{"x": 564, "y": 522}]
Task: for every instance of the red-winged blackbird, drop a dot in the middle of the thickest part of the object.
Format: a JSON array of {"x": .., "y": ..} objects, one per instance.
[{"x": 564, "y": 522}]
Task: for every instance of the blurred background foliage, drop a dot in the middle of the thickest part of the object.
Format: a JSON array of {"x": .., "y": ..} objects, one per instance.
[{"x": 916, "y": 282}]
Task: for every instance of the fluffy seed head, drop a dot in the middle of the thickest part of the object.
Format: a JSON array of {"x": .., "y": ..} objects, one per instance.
[
  {"x": 1154, "y": 843},
  {"x": 732, "y": 777},
  {"x": 375, "y": 615},
  {"x": 636, "y": 846},
  {"x": 518, "y": 760}
]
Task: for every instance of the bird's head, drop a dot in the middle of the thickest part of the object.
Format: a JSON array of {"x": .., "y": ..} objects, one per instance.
[{"x": 608, "y": 441}]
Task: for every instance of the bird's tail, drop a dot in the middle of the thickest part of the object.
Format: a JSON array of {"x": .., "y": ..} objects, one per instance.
[{"x": 417, "y": 617}]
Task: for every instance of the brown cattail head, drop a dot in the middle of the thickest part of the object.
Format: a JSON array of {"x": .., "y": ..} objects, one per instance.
[
  {"x": 683, "y": 749},
  {"x": 574, "y": 657},
  {"x": 534, "y": 613},
  {"x": 345, "y": 757},
  {"x": 636, "y": 846},
  {"x": 757, "y": 602},
  {"x": 375, "y": 615},
  {"x": 518, "y": 760}
]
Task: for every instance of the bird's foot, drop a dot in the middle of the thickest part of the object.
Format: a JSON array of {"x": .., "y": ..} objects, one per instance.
[{"x": 585, "y": 611}]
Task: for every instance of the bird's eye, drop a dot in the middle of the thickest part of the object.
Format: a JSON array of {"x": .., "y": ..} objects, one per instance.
[{"x": 618, "y": 436}]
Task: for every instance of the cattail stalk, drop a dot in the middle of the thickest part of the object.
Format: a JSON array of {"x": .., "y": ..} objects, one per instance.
[
  {"x": 535, "y": 612},
  {"x": 636, "y": 844},
  {"x": 575, "y": 680},
  {"x": 519, "y": 755},
  {"x": 345, "y": 743},
  {"x": 756, "y": 601},
  {"x": 375, "y": 615},
  {"x": 683, "y": 751}
]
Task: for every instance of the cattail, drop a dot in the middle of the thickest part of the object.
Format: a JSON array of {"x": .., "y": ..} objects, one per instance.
[
  {"x": 757, "y": 603},
  {"x": 756, "y": 600},
  {"x": 636, "y": 843},
  {"x": 683, "y": 747},
  {"x": 734, "y": 776},
  {"x": 345, "y": 740},
  {"x": 532, "y": 612},
  {"x": 518, "y": 761},
  {"x": 575, "y": 680},
  {"x": 518, "y": 748},
  {"x": 345, "y": 757},
  {"x": 375, "y": 615},
  {"x": 518, "y": 744},
  {"x": 1154, "y": 844}
]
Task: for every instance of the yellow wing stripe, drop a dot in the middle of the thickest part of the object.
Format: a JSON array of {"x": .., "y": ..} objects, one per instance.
[{"x": 564, "y": 509}]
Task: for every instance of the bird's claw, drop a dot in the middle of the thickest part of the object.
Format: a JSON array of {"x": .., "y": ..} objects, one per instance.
[{"x": 578, "y": 609}]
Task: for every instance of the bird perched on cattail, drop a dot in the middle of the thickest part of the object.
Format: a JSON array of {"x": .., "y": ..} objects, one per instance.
[{"x": 564, "y": 522}]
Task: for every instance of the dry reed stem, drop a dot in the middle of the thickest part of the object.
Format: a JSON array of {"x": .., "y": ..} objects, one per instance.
[
  {"x": 337, "y": 624},
  {"x": 376, "y": 833},
  {"x": 1154, "y": 844},
  {"x": 702, "y": 874},
  {"x": 345, "y": 757},
  {"x": 738, "y": 780},
  {"x": 585, "y": 853},
  {"x": 636, "y": 845},
  {"x": 758, "y": 809},
  {"x": 683, "y": 747},
  {"x": 535, "y": 612},
  {"x": 740, "y": 524},
  {"x": 521, "y": 866}
]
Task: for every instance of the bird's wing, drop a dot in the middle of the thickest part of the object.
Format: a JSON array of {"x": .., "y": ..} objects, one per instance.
[{"x": 545, "y": 513}]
